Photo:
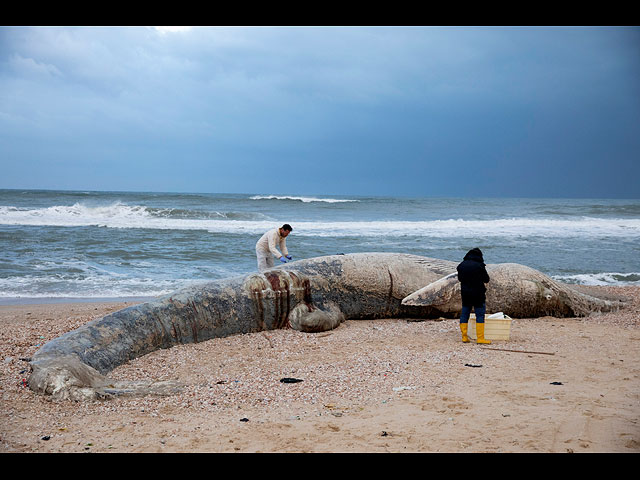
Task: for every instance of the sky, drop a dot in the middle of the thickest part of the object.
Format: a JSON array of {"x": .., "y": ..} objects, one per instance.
[{"x": 392, "y": 111}]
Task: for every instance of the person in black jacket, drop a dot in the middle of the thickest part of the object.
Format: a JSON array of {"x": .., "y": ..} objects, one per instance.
[{"x": 473, "y": 275}]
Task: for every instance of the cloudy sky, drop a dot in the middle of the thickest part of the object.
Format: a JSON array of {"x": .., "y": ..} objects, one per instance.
[{"x": 416, "y": 111}]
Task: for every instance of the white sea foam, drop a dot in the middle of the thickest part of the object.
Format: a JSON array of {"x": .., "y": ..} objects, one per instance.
[
  {"x": 119, "y": 215},
  {"x": 512, "y": 227},
  {"x": 301, "y": 199},
  {"x": 114, "y": 286},
  {"x": 78, "y": 214},
  {"x": 601, "y": 279},
  {"x": 33, "y": 286}
]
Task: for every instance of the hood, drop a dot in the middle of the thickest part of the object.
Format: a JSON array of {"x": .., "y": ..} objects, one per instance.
[{"x": 474, "y": 254}]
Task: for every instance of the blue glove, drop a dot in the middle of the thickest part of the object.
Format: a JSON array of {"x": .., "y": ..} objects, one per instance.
[
  {"x": 283, "y": 260},
  {"x": 288, "y": 257}
]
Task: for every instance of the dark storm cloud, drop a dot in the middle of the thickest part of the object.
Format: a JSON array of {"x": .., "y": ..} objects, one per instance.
[{"x": 416, "y": 111}]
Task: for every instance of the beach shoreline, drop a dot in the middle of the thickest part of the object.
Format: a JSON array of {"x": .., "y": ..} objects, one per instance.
[
  {"x": 395, "y": 385},
  {"x": 23, "y": 301}
]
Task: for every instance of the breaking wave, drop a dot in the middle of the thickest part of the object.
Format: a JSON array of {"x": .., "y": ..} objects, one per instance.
[
  {"x": 301, "y": 199},
  {"x": 601, "y": 279},
  {"x": 36, "y": 286},
  {"x": 120, "y": 215}
]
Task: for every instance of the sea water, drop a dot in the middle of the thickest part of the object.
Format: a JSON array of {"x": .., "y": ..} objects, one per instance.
[{"x": 91, "y": 245}]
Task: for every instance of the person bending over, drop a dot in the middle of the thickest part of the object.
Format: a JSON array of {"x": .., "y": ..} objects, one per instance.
[{"x": 266, "y": 247}]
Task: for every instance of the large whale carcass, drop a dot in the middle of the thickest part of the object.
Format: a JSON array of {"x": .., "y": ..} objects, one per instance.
[
  {"x": 310, "y": 295},
  {"x": 517, "y": 290}
]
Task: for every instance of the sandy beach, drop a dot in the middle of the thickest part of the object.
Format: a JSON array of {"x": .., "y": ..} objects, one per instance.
[{"x": 567, "y": 385}]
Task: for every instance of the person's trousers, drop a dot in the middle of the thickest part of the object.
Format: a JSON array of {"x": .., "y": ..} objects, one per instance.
[
  {"x": 466, "y": 313},
  {"x": 265, "y": 260}
]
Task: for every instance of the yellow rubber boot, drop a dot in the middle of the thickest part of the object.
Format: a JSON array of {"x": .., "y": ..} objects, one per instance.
[
  {"x": 480, "y": 334},
  {"x": 463, "y": 328}
]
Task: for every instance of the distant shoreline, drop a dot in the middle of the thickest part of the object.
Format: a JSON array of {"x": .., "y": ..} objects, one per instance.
[{"x": 16, "y": 301}]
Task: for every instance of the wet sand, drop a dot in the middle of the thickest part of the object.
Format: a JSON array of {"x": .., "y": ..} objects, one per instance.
[{"x": 572, "y": 385}]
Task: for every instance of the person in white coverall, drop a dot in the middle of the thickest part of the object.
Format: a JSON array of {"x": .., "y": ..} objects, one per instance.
[{"x": 266, "y": 247}]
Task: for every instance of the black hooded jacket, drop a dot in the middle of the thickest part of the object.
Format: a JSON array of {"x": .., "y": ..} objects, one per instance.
[{"x": 472, "y": 275}]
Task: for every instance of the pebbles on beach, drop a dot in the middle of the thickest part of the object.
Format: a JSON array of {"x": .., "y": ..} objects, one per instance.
[{"x": 358, "y": 365}]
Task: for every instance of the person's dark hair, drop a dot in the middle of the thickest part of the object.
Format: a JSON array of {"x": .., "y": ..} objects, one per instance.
[{"x": 287, "y": 227}]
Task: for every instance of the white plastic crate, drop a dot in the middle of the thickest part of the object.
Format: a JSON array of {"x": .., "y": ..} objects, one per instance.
[{"x": 497, "y": 326}]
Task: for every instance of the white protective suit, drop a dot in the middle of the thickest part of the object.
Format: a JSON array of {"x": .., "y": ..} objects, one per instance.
[{"x": 266, "y": 248}]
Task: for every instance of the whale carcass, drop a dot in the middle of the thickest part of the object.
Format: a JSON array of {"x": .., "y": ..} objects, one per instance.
[
  {"x": 308, "y": 295},
  {"x": 517, "y": 290}
]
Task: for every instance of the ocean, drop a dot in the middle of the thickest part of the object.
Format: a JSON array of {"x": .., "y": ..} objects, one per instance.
[{"x": 84, "y": 245}]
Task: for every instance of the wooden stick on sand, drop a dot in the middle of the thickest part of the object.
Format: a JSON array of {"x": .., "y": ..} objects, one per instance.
[{"x": 518, "y": 351}]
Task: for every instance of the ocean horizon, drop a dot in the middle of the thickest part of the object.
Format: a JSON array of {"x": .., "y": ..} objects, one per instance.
[{"x": 86, "y": 245}]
